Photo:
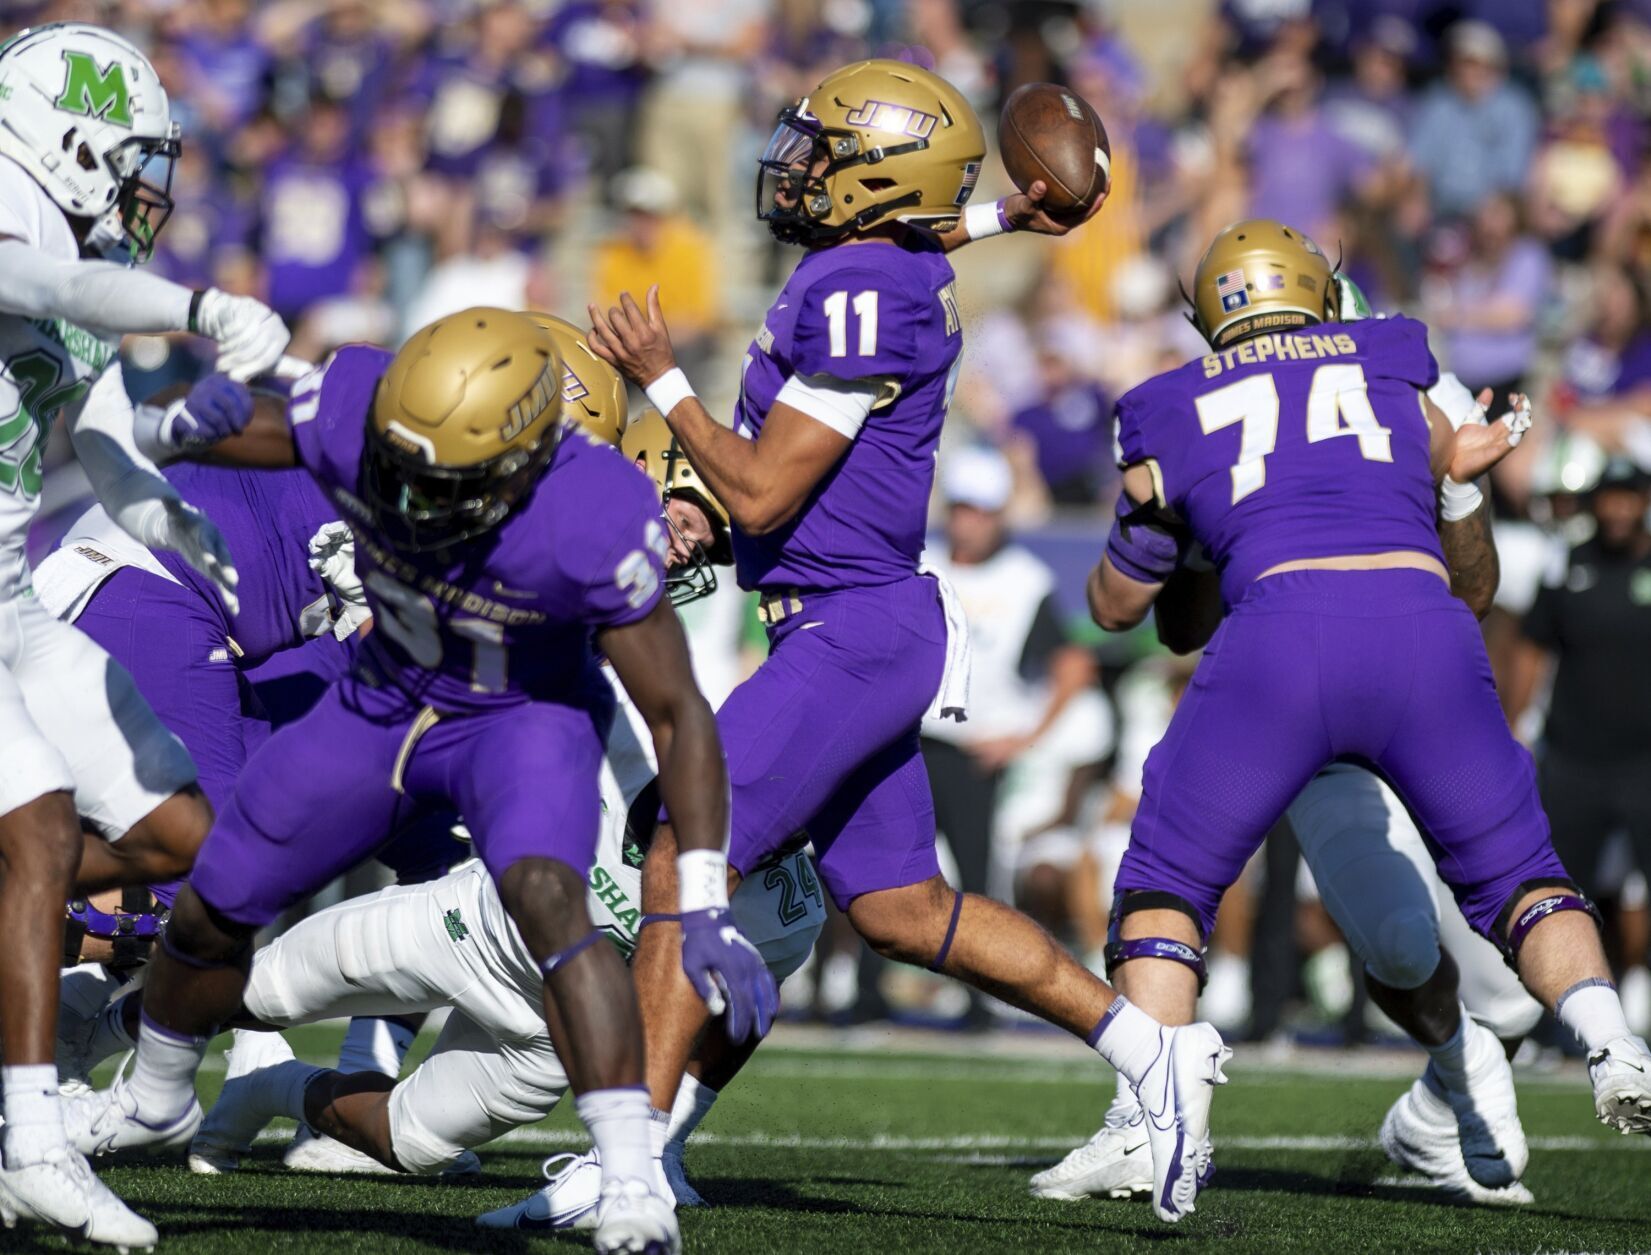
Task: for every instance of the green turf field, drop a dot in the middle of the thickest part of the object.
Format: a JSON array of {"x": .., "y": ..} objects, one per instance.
[{"x": 847, "y": 1151}]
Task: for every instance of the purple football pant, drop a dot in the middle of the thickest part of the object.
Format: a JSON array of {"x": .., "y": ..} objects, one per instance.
[
  {"x": 823, "y": 738},
  {"x": 319, "y": 796},
  {"x": 1384, "y": 668},
  {"x": 176, "y": 647}
]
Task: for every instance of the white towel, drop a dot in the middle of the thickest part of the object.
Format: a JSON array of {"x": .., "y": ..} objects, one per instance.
[{"x": 952, "y": 700}]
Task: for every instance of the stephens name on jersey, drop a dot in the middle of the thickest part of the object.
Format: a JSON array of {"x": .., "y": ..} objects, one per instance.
[{"x": 1295, "y": 445}]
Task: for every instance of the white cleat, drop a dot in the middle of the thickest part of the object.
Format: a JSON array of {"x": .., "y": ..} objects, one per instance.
[
  {"x": 240, "y": 1113},
  {"x": 1175, "y": 1096},
  {"x": 106, "y": 1122},
  {"x": 1419, "y": 1133},
  {"x": 1487, "y": 1115},
  {"x": 1115, "y": 1163},
  {"x": 1621, "y": 1073},
  {"x": 670, "y": 1162},
  {"x": 62, "y": 1191},
  {"x": 635, "y": 1219},
  {"x": 316, "y": 1152},
  {"x": 569, "y": 1199}
]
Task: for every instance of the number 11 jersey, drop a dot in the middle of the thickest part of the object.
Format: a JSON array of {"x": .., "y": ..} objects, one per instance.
[
  {"x": 1304, "y": 444},
  {"x": 507, "y": 617}
]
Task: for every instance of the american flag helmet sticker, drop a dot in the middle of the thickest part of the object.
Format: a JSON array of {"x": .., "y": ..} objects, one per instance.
[{"x": 1230, "y": 288}]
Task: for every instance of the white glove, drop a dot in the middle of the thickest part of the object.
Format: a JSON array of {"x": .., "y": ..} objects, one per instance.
[
  {"x": 332, "y": 557},
  {"x": 197, "y": 540},
  {"x": 251, "y": 338}
]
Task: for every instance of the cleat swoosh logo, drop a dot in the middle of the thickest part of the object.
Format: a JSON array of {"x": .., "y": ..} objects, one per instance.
[{"x": 1130, "y": 1150}]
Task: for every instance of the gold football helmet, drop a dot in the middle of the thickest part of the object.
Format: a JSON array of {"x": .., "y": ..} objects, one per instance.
[
  {"x": 462, "y": 424},
  {"x": 650, "y": 443},
  {"x": 875, "y": 140},
  {"x": 1260, "y": 276},
  {"x": 593, "y": 393}
]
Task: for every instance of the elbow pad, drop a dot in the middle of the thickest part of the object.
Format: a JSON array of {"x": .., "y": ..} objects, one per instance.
[{"x": 1146, "y": 552}]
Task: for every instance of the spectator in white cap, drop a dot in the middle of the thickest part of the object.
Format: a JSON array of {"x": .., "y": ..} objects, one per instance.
[
  {"x": 1476, "y": 131},
  {"x": 1034, "y": 713}
]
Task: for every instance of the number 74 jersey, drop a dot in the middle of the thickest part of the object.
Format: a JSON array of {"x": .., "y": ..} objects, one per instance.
[
  {"x": 507, "y": 617},
  {"x": 1304, "y": 444}
]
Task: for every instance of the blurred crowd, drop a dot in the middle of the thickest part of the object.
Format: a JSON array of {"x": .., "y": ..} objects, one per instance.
[{"x": 1482, "y": 164}]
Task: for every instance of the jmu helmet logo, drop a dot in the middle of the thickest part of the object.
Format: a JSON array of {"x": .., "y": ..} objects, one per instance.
[
  {"x": 879, "y": 115},
  {"x": 95, "y": 93},
  {"x": 525, "y": 411},
  {"x": 573, "y": 388}
]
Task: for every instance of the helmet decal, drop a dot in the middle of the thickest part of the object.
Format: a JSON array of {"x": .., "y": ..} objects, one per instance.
[{"x": 93, "y": 92}]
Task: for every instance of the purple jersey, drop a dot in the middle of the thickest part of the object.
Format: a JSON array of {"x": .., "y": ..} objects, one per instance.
[
  {"x": 269, "y": 519},
  {"x": 858, "y": 311},
  {"x": 1304, "y": 444},
  {"x": 511, "y": 620}
]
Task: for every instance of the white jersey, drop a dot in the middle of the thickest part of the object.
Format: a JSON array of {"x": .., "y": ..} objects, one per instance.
[{"x": 44, "y": 366}]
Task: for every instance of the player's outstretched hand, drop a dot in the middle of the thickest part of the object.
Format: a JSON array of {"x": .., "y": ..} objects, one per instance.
[
  {"x": 251, "y": 337},
  {"x": 217, "y": 407},
  {"x": 726, "y": 970},
  {"x": 1025, "y": 212},
  {"x": 195, "y": 539},
  {"x": 1480, "y": 448},
  {"x": 637, "y": 343}
]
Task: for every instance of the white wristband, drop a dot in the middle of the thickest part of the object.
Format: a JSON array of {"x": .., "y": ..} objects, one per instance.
[
  {"x": 702, "y": 880},
  {"x": 669, "y": 390},
  {"x": 1457, "y": 501},
  {"x": 981, "y": 222}
]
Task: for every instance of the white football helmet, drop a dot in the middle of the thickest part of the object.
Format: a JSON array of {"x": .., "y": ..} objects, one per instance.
[{"x": 82, "y": 110}]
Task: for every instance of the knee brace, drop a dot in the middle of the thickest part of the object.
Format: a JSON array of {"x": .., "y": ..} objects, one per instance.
[
  {"x": 1510, "y": 932},
  {"x": 1118, "y": 950}
]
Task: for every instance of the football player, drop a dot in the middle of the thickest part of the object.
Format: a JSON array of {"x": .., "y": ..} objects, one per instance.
[
  {"x": 450, "y": 943},
  {"x": 1306, "y": 462},
  {"x": 495, "y": 545},
  {"x": 826, "y": 477},
  {"x": 291, "y": 634},
  {"x": 84, "y": 131},
  {"x": 1378, "y": 881}
]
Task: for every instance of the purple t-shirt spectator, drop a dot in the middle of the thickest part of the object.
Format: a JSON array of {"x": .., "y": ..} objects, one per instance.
[
  {"x": 1595, "y": 372},
  {"x": 1072, "y": 434},
  {"x": 314, "y": 231},
  {"x": 1483, "y": 358},
  {"x": 228, "y": 70},
  {"x": 600, "y": 45},
  {"x": 1301, "y": 169},
  {"x": 209, "y": 221}
]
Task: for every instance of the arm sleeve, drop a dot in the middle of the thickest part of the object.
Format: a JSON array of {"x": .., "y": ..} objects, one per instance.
[
  {"x": 1043, "y": 638},
  {"x": 842, "y": 405},
  {"x": 857, "y": 325},
  {"x": 98, "y": 295},
  {"x": 126, "y": 483}
]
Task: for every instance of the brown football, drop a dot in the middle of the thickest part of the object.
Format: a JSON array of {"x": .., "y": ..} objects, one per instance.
[{"x": 1049, "y": 132}]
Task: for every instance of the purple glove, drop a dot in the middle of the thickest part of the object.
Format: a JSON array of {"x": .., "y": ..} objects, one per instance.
[
  {"x": 216, "y": 407},
  {"x": 726, "y": 970}
]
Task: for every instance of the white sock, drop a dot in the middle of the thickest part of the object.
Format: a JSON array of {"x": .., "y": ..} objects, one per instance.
[
  {"x": 34, "y": 1116},
  {"x": 163, "y": 1079},
  {"x": 619, "y": 1124},
  {"x": 659, "y": 1127},
  {"x": 1592, "y": 1010},
  {"x": 693, "y": 1103},
  {"x": 1128, "y": 1038},
  {"x": 1124, "y": 1101},
  {"x": 374, "y": 1044},
  {"x": 1450, "y": 1060}
]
